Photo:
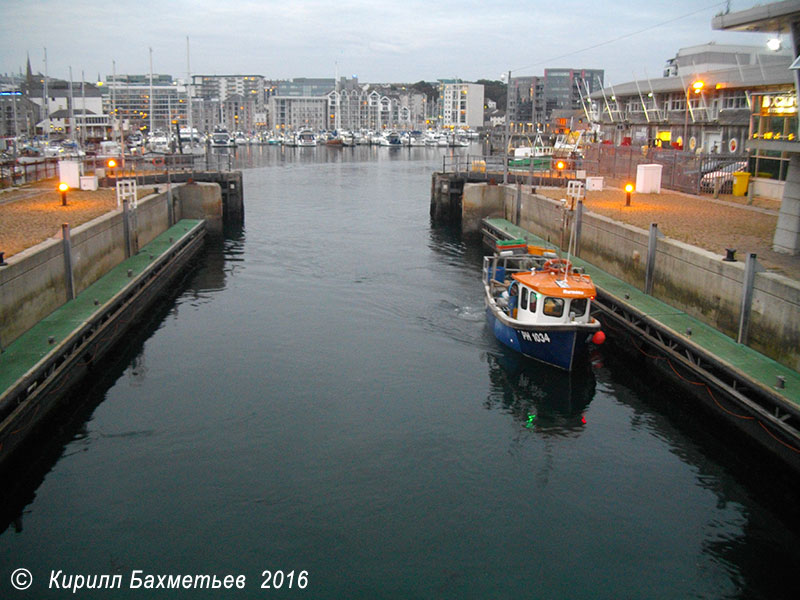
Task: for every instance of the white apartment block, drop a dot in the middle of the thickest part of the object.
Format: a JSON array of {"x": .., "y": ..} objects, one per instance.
[{"x": 461, "y": 104}]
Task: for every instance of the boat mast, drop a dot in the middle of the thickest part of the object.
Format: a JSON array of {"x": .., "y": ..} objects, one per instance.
[
  {"x": 337, "y": 120},
  {"x": 71, "y": 108},
  {"x": 114, "y": 124},
  {"x": 150, "y": 127},
  {"x": 189, "y": 95},
  {"x": 45, "y": 101},
  {"x": 83, "y": 105}
]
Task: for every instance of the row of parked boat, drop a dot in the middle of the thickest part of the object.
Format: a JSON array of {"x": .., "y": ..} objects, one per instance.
[
  {"x": 309, "y": 137},
  {"x": 194, "y": 142}
]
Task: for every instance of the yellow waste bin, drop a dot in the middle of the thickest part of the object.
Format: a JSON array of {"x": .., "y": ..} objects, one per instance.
[
  {"x": 740, "y": 182},
  {"x": 479, "y": 166}
]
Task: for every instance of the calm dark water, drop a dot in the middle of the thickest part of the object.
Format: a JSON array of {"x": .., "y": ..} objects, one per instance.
[{"x": 323, "y": 396}]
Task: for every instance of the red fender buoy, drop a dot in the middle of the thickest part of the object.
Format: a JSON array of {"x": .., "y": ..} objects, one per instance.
[{"x": 598, "y": 338}]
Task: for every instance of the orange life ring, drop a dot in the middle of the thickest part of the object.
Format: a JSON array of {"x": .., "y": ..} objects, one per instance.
[
  {"x": 158, "y": 161},
  {"x": 555, "y": 265}
]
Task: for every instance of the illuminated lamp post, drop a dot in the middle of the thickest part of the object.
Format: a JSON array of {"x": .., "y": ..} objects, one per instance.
[
  {"x": 63, "y": 188},
  {"x": 696, "y": 87},
  {"x": 628, "y": 191}
]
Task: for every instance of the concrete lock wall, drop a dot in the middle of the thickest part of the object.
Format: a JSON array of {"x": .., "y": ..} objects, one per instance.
[
  {"x": 33, "y": 284},
  {"x": 31, "y": 287},
  {"x": 202, "y": 201},
  {"x": 97, "y": 247},
  {"x": 480, "y": 201},
  {"x": 686, "y": 277}
]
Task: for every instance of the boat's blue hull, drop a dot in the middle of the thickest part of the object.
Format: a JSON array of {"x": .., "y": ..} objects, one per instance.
[{"x": 558, "y": 347}]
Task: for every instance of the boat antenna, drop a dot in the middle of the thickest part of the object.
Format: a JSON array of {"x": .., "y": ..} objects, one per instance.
[{"x": 569, "y": 247}]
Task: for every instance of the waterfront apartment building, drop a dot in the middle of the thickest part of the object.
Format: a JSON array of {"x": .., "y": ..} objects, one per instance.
[
  {"x": 292, "y": 113},
  {"x": 322, "y": 104},
  {"x": 526, "y": 100},
  {"x": 237, "y": 102},
  {"x": 74, "y": 110},
  {"x": 127, "y": 99},
  {"x": 564, "y": 88},
  {"x": 532, "y": 100},
  {"x": 306, "y": 87},
  {"x": 235, "y": 113},
  {"x": 18, "y": 115},
  {"x": 460, "y": 104},
  {"x": 377, "y": 108},
  {"x": 253, "y": 88}
]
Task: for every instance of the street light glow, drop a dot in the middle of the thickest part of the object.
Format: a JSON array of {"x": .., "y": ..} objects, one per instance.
[{"x": 62, "y": 188}]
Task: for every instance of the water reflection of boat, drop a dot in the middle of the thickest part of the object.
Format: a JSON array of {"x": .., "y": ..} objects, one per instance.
[{"x": 540, "y": 398}]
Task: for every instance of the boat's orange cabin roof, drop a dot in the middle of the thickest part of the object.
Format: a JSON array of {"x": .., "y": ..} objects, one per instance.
[{"x": 556, "y": 285}]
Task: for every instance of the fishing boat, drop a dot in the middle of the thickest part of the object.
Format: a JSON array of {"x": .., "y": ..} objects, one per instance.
[{"x": 540, "y": 306}]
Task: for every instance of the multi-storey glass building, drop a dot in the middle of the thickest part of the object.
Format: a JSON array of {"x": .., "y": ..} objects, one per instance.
[
  {"x": 129, "y": 97},
  {"x": 533, "y": 99}
]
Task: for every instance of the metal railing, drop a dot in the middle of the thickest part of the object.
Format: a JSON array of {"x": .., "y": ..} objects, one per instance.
[
  {"x": 15, "y": 173},
  {"x": 537, "y": 170},
  {"x": 683, "y": 171}
]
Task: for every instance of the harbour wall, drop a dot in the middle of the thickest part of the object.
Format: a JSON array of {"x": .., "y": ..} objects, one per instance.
[
  {"x": 686, "y": 277},
  {"x": 36, "y": 281}
]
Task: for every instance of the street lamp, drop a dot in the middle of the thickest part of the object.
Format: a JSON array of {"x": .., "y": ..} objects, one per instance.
[
  {"x": 63, "y": 188},
  {"x": 628, "y": 191},
  {"x": 696, "y": 87}
]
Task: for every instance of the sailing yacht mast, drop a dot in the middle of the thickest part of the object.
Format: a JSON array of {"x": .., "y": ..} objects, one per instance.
[
  {"x": 337, "y": 121},
  {"x": 150, "y": 130},
  {"x": 71, "y": 109},
  {"x": 189, "y": 96},
  {"x": 46, "y": 101},
  {"x": 83, "y": 109}
]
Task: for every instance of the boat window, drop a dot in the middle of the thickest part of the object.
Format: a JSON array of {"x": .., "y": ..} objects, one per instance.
[
  {"x": 532, "y": 306},
  {"x": 577, "y": 307},
  {"x": 523, "y": 302},
  {"x": 553, "y": 307}
]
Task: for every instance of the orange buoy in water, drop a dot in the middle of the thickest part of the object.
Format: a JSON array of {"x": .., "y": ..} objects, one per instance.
[{"x": 598, "y": 338}]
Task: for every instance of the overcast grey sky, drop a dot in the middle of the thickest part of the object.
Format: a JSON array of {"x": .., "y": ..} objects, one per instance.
[{"x": 378, "y": 41}]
